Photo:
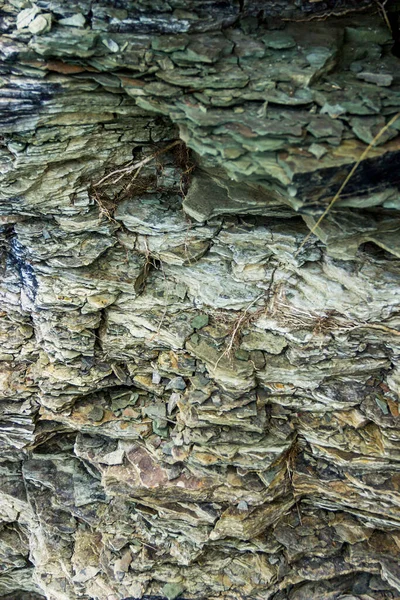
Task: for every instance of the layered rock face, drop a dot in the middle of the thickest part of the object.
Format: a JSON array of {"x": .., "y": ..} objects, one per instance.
[{"x": 199, "y": 399}]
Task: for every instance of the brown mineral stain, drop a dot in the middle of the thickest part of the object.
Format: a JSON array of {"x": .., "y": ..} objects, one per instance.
[{"x": 393, "y": 407}]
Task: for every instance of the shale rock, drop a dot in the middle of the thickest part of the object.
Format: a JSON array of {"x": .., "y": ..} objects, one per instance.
[{"x": 198, "y": 397}]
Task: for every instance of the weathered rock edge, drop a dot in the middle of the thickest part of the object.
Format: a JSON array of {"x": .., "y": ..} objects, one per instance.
[{"x": 196, "y": 399}]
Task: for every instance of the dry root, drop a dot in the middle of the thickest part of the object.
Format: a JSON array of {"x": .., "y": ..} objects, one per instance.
[{"x": 127, "y": 181}]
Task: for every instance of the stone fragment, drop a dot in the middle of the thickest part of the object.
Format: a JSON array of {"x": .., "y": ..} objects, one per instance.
[
  {"x": 381, "y": 79},
  {"x": 26, "y": 16},
  {"x": 75, "y": 20},
  {"x": 318, "y": 150},
  {"x": 156, "y": 377},
  {"x": 40, "y": 24},
  {"x": 279, "y": 40},
  {"x": 173, "y": 590},
  {"x": 373, "y": 34},
  {"x": 264, "y": 340},
  {"x": 200, "y": 321},
  {"x": 177, "y": 383}
]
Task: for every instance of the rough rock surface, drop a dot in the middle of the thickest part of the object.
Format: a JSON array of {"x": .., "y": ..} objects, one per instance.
[{"x": 199, "y": 399}]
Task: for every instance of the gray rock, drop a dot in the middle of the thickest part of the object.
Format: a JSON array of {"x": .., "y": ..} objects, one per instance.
[
  {"x": 76, "y": 20},
  {"x": 381, "y": 79},
  {"x": 177, "y": 383},
  {"x": 40, "y": 24},
  {"x": 197, "y": 397}
]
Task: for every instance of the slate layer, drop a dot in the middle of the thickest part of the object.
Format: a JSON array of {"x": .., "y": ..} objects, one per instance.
[{"x": 196, "y": 399}]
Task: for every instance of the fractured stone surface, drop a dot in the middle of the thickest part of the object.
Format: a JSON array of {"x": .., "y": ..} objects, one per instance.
[{"x": 197, "y": 399}]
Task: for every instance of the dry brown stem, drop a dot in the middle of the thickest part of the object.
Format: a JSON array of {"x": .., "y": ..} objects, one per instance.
[
  {"x": 106, "y": 205},
  {"x": 382, "y": 10},
  {"x": 135, "y": 166},
  {"x": 349, "y": 176},
  {"x": 239, "y": 324}
]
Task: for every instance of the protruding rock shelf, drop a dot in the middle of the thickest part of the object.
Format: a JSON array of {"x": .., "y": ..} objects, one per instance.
[{"x": 198, "y": 398}]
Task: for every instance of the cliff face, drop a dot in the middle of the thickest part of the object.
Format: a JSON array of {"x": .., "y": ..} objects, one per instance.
[{"x": 198, "y": 397}]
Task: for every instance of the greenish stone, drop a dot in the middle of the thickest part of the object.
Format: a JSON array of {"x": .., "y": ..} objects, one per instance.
[
  {"x": 318, "y": 150},
  {"x": 121, "y": 301},
  {"x": 333, "y": 110},
  {"x": 382, "y": 405},
  {"x": 96, "y": 413},
  {"x": 41, "y": 24},
  {"x": 318, "y": 56},
  {"x": 159, "y": 428},
  {"x": 177, "y": 383},
  {"x": 265, "y": 341},
  {"x": 378, "y": 34},
  {"x": 110, "y": 44},
  {"x": 124, "y": 401},
  {"x": 76, "y": 20},
  {"x": 278, "y": 40},
  {"x": 381, "y": 79},
  {"x": 356, "y": 66},
  {"x": 156, "y": 411},
  {"x": 169, "y": 43},
  {"x": 366, "y": 128},
  {"x": 200, "y": 321},
  {"x": 205, "y": 50},
  {"x": 393, "y": 203},
  {"x": 173, "y": 590},
  {"x": 257, "y": 358},
  {"x": 322, "y": 126},
  {"x": 26, "y": 16},
  {"x": 242, "y": 355}
]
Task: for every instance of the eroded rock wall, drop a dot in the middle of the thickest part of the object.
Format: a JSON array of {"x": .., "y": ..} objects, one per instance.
[{"x": 198, "y": 398}]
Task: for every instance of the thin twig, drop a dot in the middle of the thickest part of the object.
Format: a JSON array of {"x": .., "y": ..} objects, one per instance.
[
  {"x": 349, "y": 176},
  {"x": 337, "y": 320},
  {"x": 137, "y": 165},
  {"x": 242, "y": 317},
  {"x": 106, "y": 207},
  {"x": 377, "y": 326},
  {"x": 158, "y": 330},
  {"x": 290, "y": 467},
  {"x": 326, "y": 15},
  {"x": 136, "y": 175},
  {"x": 149, "y": 546},
  {"x": 381, "y": 8}
]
